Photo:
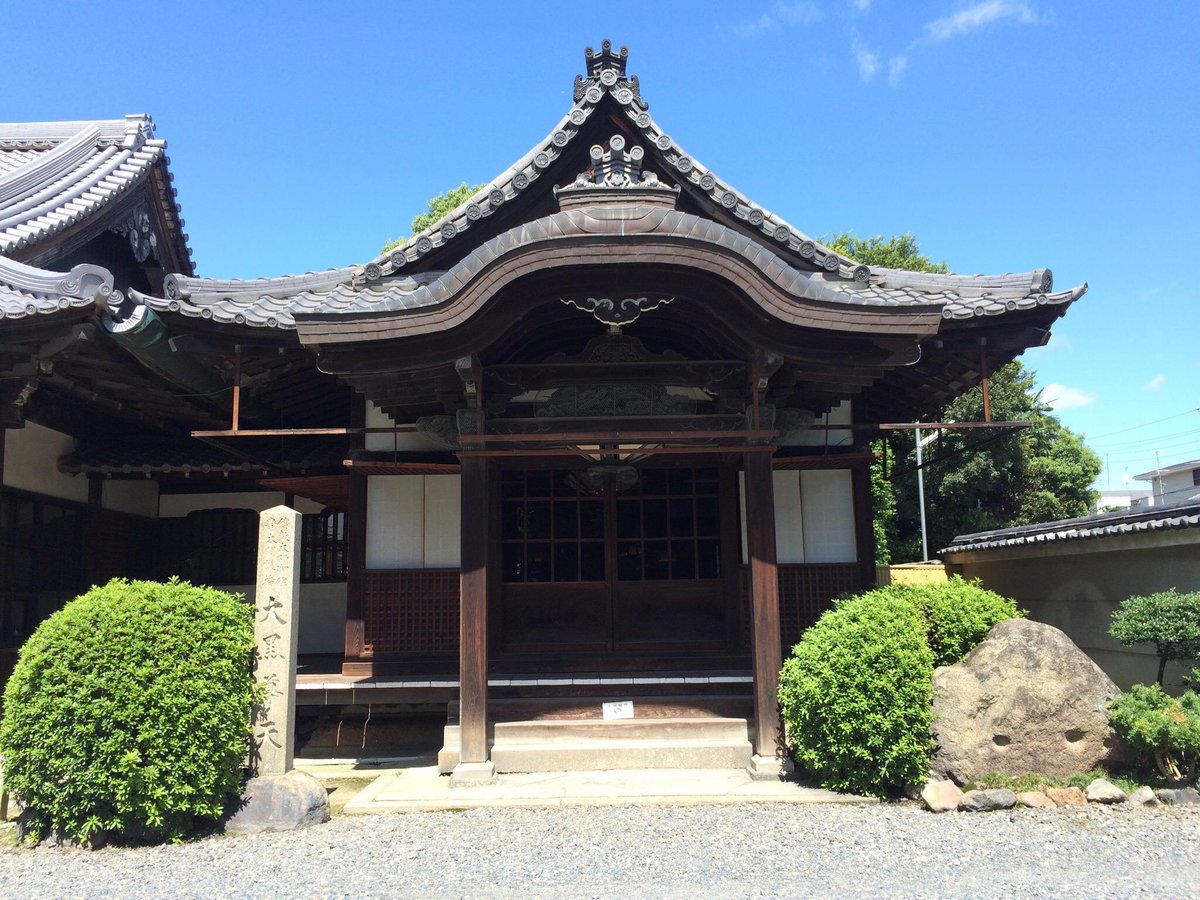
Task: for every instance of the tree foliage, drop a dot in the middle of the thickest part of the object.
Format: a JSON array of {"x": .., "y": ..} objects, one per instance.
[
  {"x": 976, "y": 481},
  {"x": 1167, "y": 619},
  {"x": 128, "y": 712},
  {"x": 436, "y": 207},
  {"x": 1166, "y": 728}
]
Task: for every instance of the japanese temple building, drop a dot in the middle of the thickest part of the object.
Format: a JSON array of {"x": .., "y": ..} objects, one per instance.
[{"x": 600, "y": 433}]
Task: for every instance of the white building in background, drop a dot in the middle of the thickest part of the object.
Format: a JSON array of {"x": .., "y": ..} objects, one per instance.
[
  {"x": 1175, "y": 484},
  {"x": 1125, "y": 498}
]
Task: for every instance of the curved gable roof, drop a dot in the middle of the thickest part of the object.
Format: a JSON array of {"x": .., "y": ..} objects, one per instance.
[
  {"x": 403, "y": 279},
  {"x": 54, "y": 175}
]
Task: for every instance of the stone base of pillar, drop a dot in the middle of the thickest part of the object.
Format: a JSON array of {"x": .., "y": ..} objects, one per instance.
[
  {"x": 473, "y": 774},
  {"x": 769, "y": 768}
]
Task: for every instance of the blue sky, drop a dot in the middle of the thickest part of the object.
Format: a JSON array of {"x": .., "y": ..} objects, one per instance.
[{"x": 1005, "y": 134}]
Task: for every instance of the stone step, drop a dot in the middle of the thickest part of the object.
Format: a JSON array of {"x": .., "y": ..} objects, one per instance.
[
  {"x": 525, "y": 709},
  {"x": 588, "y": 745}
]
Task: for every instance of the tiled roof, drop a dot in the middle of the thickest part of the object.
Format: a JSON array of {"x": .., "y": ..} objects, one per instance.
[
  {"x": 55, "y": 174},
  {"x": 276, "y": 302},
  {"x": 28, "y": 291},
  {"x": 1115, "y": 524},
  {"x": 383, "y": 284}
]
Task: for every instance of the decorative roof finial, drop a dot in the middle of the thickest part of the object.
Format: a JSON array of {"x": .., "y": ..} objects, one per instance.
[
  {"x": 605, "y": 71},
  {"x": 595, "y": 62}
]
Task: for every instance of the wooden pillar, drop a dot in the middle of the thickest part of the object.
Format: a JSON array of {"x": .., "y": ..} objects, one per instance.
[
  {"x": 356, "y": 563},
  {"x": 474, "y": 767},
  {"x": 764, "y": 607},
  {"x": 864, "y": 529}
]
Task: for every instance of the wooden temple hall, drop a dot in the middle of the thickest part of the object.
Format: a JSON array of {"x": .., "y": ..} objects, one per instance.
[{"x": 600, "y": 434}]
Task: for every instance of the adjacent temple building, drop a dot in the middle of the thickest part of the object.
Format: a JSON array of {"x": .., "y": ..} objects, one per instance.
[{"x": 599, "y": 433}]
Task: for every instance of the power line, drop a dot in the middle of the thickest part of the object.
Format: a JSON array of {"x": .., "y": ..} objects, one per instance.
[{"x": 1147, "y": 424}]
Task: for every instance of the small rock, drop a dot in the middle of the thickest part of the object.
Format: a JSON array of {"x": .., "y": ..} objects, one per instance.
[
  {"x": 1068, "y": 796},
  {"x": 1143, "y": 796},
  {"x": 1035, "y": 800},
  {"x": 1103, "y": 791},
  {"x": 279, "y": 803},
  {"x": 1179, "y": 796},
  {"x": 941, "y": 796},
  {"x": 988, "y": 801}
]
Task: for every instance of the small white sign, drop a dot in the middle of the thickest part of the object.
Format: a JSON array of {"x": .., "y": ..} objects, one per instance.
[{"x": 622, "y": 709}]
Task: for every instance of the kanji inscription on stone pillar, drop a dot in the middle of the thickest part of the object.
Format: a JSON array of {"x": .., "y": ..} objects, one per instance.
[{"x": 276, "y": 604}]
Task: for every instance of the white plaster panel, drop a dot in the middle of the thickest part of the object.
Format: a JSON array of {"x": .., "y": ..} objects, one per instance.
[
  {"x": 443, "y": 521},
  {"x": 789, "y": 524},
  {"x": 827, "y": 498},
  {"x": 137, "y": 497},
  {"x": 398, "y": 440},
  {"x": 31, "y": 457},
  {"x": 395, "y": 521}
]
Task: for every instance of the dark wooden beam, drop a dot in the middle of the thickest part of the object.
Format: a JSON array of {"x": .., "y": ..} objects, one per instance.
[
  {"x": 764, "y": 601},
  {"x": 356, "y": 560},
  {"x": 473, "y": 585}
]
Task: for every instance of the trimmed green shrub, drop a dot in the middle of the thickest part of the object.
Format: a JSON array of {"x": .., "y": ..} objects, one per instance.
[
  {"x": 1163, "y": 727},
  {"x": 128, "y": 712},
  {"x": 1167, "y": 619},
  {"x": 957, "y": 614},
  {"x": 857, "y": 696}
]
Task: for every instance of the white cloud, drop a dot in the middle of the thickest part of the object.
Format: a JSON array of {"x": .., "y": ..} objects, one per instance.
[
  {"x": 1059, "y": 397},
  {"x": 868, "y": 62},
  {"x": 798, "y": 13},
  {"x": 972, "y": 18},
  {"x": 780, "y": 15},
  {"x": 861, "y": 5},
  {"x": 1156, "y": 383},
  {"x": 896, "y": 67}
]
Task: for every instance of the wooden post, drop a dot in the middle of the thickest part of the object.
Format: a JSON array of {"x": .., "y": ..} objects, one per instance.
[
  {"x": 864, "y": 530},
  {"x": 764, "y": 611},
  {"x": 356, "y": 559},
  {"x": 474, "y": 767}
]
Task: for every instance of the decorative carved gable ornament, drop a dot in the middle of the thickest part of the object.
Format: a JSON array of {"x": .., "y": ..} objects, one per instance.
[{"x": 616, "y": 313}]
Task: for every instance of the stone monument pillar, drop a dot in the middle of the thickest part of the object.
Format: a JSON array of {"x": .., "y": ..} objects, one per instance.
[{"x": 276, "y": 604}]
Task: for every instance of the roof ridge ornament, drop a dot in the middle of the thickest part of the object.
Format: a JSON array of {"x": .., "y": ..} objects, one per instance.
[{"x": 606, "y": 72}]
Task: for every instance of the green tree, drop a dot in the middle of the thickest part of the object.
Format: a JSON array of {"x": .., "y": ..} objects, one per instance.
[
  {"x": 1167, "y": 619},
  {"x": 976, "y": 481},
  {"x": 436, "y": 207}
]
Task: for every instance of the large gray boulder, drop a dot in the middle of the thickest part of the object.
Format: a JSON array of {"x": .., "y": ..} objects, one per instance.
[
  {"x": 279, "y": 803},
  {"x": 1025, "y": 700}
]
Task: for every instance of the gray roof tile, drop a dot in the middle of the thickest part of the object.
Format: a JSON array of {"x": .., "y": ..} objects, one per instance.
[
  {"x": 29, "y": 291},
  {"x": 54, "y": 174}
]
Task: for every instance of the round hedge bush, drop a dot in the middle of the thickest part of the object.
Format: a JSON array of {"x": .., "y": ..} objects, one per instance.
[
  {"x": 957, "y": 613},
  {"x": 128, "y": 712},
  {"x": 857, "y": 695}
]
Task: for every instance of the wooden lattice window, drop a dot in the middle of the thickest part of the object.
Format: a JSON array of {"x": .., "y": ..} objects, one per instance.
[
  {"x": 323, "y": 546},
  {"x": 669, "y": 526},
  {"x": 552, "y": 528}
]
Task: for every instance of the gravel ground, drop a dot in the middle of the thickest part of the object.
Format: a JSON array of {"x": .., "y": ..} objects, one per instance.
[{"x": 654, "y": 851}]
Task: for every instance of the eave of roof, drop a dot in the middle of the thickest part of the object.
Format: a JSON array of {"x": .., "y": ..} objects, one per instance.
[
  {"x": 1168, "y": 470},
  {"x": 1114, "y": 524}
]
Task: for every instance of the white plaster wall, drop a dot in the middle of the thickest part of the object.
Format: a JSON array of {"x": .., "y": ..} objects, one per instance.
[
  {"x": 395, "y": 521},
  {"x": 174, "y": 505},
  {"x": 31, "y": 457},
  {"x": 789, "y": 521},
  {"x": 322, "y": 615},
  {"x": 413, "y": 521},
  {"x": 443, "y": 521},
  {"x": 1174, "y": 488},
  {"x": 827, "y": 498},
  {"x": 139, "y": 497},
  {"x": 400, "y": 440}
]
